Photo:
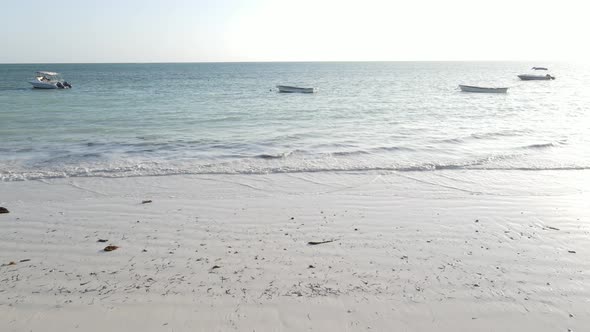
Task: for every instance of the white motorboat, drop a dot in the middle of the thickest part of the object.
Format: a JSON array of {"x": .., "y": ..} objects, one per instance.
[
  {"x": 291, "y": 89},
  {"x": 470, "y": 88},
  {"x": 534, "y": 77},
  {"x": 49, "y": 80}
]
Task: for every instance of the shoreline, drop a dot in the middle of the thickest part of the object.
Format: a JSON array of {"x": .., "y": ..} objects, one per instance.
[{"x": 420, "y": 252}]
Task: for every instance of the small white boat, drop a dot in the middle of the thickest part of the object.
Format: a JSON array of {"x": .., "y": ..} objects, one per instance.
[
  {"x": 533, "y": 77},
  {"x": 290, "y": 89},
  {"x": 49, "y": 80},
  {"x": 470, "y": 88}
]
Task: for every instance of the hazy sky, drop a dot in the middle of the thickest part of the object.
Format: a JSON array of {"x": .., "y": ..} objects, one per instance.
[{"x": 297, "y": 30}]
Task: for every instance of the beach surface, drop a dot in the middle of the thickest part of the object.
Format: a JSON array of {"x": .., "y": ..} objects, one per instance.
[{"x": 461, "y": 250}]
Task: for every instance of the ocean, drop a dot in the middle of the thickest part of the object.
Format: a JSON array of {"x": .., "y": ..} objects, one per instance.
[{"x": 123, "y": 120}]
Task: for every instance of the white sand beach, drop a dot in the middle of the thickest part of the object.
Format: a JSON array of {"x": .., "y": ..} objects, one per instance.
[{"x": 424, "y": 251}]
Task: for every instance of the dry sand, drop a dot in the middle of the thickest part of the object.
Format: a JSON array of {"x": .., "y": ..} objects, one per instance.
[{"x": 430, "y": 251}]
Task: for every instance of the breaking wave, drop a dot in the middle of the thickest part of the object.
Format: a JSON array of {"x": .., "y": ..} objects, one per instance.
[{"x": 250, "y": 167}]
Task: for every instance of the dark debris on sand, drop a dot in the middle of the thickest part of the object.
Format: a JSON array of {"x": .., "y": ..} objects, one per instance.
[
  {"x": 315, "y": 243},
  {"x": 110, "y": 248}
]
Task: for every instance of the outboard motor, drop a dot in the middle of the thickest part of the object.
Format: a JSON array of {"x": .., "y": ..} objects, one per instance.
[
  {"x": 59, "y": 85},
  {"x": 67, "y": 85}
]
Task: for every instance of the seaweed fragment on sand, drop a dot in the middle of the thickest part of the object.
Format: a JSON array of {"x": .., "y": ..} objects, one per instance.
[
  {"x": 315, "y": 243},
  {"x": 110, "y": 248}
]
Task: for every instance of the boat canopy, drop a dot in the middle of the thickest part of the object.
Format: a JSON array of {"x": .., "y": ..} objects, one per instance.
[{"x": 47, "y": 73}]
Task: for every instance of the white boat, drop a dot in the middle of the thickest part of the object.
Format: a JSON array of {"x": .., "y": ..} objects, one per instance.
[
  {"x": 534, "y": 77},
  {"x": 49, "y": 80},
  {"x": 286, "y": 88},
  {"x": 470, "y": 88}
]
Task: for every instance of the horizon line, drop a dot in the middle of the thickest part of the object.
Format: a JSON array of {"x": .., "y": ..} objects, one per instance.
[{"x": 287, "y": 61}]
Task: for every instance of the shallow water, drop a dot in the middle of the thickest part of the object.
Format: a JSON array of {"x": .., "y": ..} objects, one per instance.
[{"x": 157, "y": 119}]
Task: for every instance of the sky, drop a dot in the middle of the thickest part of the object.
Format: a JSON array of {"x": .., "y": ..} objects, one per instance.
[{"x": 33, "y": 31}]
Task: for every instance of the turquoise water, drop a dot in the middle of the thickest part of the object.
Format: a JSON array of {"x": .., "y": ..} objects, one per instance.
[{"x": 157, "y": 119}]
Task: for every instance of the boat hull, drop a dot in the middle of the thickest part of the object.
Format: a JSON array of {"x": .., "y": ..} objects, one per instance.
[
  {"x": 478, "y": 89},
  {"x": 294, "y": 89},
  {"x": 535, "y": 77},
  {"x": 43, "y": 85}
]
